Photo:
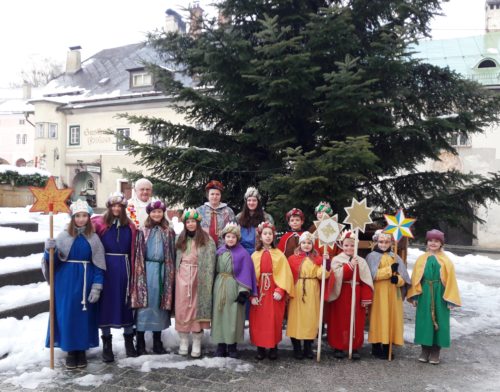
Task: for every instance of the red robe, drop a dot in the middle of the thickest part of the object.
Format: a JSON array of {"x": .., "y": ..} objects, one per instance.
[
  {"x": 339, "y": 316},
  {"x": 266, "y": 319},
  {"x": 289, "y": 242}
]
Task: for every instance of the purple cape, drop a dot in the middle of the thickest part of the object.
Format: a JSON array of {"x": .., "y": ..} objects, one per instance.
[{"x": 243, "y": 269}]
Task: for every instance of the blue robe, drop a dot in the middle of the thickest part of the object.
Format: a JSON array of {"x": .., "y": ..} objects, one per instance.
[{"x": 74, "y": 328}]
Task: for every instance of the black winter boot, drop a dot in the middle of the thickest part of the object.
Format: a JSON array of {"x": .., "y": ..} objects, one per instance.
[
  {"x": 141, "y": 343},
  {"x": 130, "y": 350},
  {"x": 232, "y": 352},
  {"x": 273, "y": 353},
  {"x": 107, "y": 349},
  {"x": 308, "y": 351},
  {"x": 297, "y": 349},
  {"x": 81, "y": 359},
  {"x": 385, "y": 352},
  {"x": 221, "y": 350},
  {"x": 261, "y": 353},
  {"x": 157, "y": 343},
  {"x": 71, "y": 360},
  {"x": 377, "y": 350}
]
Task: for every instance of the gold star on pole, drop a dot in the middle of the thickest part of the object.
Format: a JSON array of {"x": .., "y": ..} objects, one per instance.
[
  {"x": 358, "y": 215},
  {"x": 327, "y": 230},
  {"x": 50, "y": 198}
]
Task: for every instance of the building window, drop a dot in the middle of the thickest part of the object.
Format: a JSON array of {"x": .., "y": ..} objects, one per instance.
[
  {"x": 74, "y": 135},
  {"x": 487, "y": 64},
  {"x": 460, "y": 139},
  {"x": 121, "y": 145},
  {"x": 25, "y": 139},
  {"x": 21, "y": 121},
  {"x": 141, "y": 79},
  {"x": 52, "y": 131},
  {"x": 18, "y": 138},
  {"x": 40, "y": 130}
]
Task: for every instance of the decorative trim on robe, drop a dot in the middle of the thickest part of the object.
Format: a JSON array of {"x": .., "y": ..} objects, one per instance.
[{"x": 282, "y": 274}]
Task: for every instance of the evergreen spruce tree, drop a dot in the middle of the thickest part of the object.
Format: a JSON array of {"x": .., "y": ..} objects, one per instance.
[{"x": 313, "y": 100}]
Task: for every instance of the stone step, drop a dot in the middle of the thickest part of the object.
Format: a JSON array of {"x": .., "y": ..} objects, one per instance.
[
  {"x": 25, "y": 226},
  {"x": 20, "y": 250},
  {"x": 30, "y": 310},
  {"x": 20, "y": 278}
]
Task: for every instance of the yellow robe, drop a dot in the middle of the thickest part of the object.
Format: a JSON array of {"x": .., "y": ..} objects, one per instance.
[
  {"x": 303, "y": 310},
  {"x": 386, "y": 299}
]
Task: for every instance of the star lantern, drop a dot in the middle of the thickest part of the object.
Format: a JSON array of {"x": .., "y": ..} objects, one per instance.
[
  {"x": 398, "y": 225},
  {"x": 358, "y": 215},
  {"x": 50, "y": 198},
  {"x": 327, "y": 230}
]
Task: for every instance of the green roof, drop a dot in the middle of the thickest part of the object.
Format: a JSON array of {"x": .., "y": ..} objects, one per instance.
[{"x": 464, "y": 55}]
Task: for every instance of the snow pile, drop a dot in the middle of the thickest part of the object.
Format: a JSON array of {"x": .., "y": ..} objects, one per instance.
[
  {"x": 24, "y": 171},
  {"x": 15, "y": 296},
  {"x": 31, "y": 380},
  {"x": 14, "y": 264},
  {"x": 92, "y": 380}
]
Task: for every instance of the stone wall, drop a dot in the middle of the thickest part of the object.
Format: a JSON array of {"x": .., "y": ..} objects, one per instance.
[{"x": 12, "y": 196}]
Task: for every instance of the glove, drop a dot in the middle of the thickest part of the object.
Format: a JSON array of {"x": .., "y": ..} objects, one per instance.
[
  {"x": 394, "y": 267},
  {"x": 254, "y": 301},
  {"x": 394, "y": 279},
  {"x": 277, "y": 296},
  {"x": 242, "y": 298},
  {"x": 95, "y": 293},
  {"x": 50, "y": 243}
]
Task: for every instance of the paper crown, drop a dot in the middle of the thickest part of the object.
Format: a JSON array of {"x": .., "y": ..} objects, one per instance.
[
  {"x": 266, "y": 225},
  {"x": 347, "y": 234},
  {"x": 80, "y": 206},
  {"x": 233, "y": 228},
  {"x": 252, "y": 192},
  {"x": 116, "y": 198},
  {"x": 156, "y": 205},
  {"x": 306, "y": 236},
  {"x": 214, "y": 184},
  {"x": 325, "y": 207},
  {"x": 191, "y": 213},
  {"x": 296, "y": 212}
]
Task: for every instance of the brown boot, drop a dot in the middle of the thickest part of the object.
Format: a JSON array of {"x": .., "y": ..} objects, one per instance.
[
  {"x": 424, "y": 355},
  {"x": 434, "y": 357}
]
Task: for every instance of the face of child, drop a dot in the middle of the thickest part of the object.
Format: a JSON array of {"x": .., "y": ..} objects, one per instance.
[
  {"x": 433, "y": 245},
  {"x": 306, "y": 246},
  {"x": 252, "y": 203},
  {"x": 267, "y": 236},
  {"x": 214, "y": 197},
  {"x": 230, "y": 239},
  {"x": 116, "y": 209},
  {"x": 81, "y": 219},
  {"x": 348, "y": 246},
  {"x": 295, "y": 222},
  {"x": 384, "y": 243},
  {"x": 156, "y": 215},
  {"x": 319, "y": 215},
  {"x": 190, "y": 224}
]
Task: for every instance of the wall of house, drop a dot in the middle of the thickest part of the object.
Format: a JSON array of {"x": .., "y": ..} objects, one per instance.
[{"x": 11, "y": 125}]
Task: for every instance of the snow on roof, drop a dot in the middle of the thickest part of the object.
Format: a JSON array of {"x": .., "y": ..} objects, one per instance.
[{"x": 24, "y": 171}]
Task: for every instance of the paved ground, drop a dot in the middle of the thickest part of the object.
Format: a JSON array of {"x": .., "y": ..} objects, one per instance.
[{"x": 472, "y": 364}]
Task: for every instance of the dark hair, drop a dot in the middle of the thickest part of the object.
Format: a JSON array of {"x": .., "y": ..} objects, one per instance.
[
  {"x": 258, "y": 242},
  {"x": 109, "y": 218},
  {"x": 251, "y": 220},
  {"x": 151, "y": 223},
  {"x": 200, "y": 238},
  {"x": 89, "y": 228}
]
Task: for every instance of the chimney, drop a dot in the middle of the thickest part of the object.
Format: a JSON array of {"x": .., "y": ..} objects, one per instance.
[
  {"x": 492, "y": 15},
  {"x": 195, "y": 19},
  {"x": 26, "y": 90},
  {"x": 174, "y": 22},
  {"x": 73, "y": 60}
]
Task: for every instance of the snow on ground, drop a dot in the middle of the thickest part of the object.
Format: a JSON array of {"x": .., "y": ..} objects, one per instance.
[
  {"x": 14, "y": 264},
  {"x": 14, "y": 296}
]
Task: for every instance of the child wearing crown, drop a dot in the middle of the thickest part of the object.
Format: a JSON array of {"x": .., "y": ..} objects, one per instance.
[
  {"x": 194, "y": 280},
  {"x": 339, "y": 294},
  {"x": 275, "y": 281},
  {"x": 234, "y": 283},
  {"x": 290, "y": 240},
  {"x": 152, "y": 282},
  {"x": 303, "y": 308},
  {"x": 78, "y": 281}
]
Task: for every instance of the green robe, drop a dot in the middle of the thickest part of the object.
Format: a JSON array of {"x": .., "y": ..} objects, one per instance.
[
  {"x": 425, "y": 333},
  {"x": 228, "y": 317}
]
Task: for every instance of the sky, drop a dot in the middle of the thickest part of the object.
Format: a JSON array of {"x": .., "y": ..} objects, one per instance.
[{"x": 32, "y": 28}]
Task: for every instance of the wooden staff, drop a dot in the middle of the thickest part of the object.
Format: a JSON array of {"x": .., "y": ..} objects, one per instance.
[
  {"x": 353, "y": 296},
  {"x": 321, "y": 302},
  {"x": 391, "y": 306},
  {"x": 51, "y": 280}
]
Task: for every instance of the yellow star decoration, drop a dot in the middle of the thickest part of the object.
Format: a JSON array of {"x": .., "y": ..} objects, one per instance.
[
  {"x": 358, "y": 215},
  {"x": 327, "y": 230},
  {"x": 50, "y": 195}
]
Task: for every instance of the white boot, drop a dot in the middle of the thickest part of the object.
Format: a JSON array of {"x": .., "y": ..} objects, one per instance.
[
  {"x": 196, "y": 349},
  {"x": 184, "y": 345}
]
